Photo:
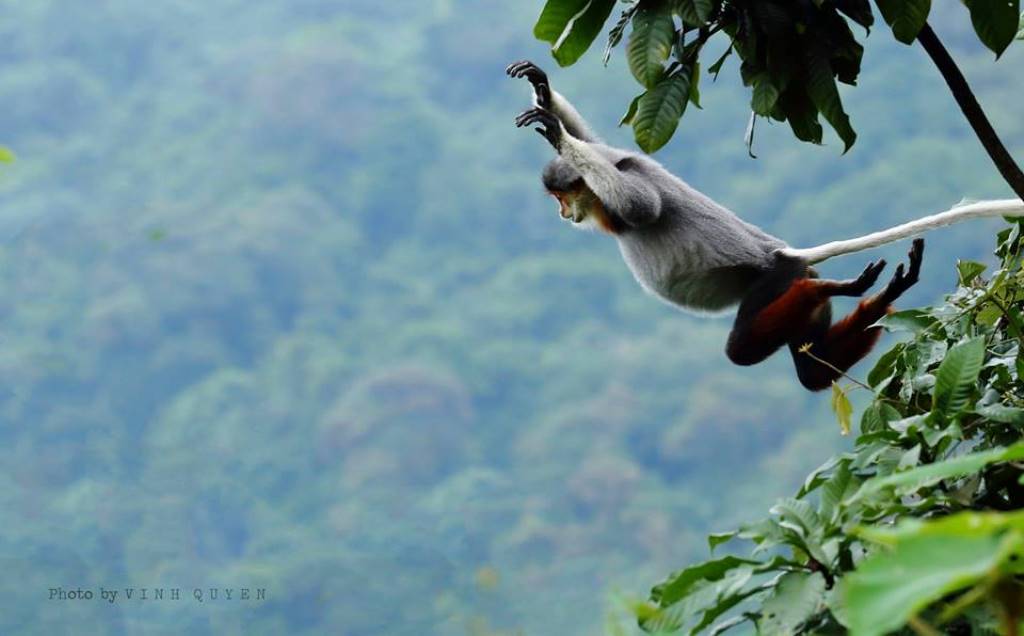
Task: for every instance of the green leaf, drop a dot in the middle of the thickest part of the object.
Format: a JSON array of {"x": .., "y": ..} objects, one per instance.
[
  {"x": 995, "y": 22},
  {"x": 6, "y": 156},
  {"x": 764, "y": 95},
  {"x": 957, "y": 377},
  {"x": 679, "y": 584},
  {"x": 927, "y": 561},
  {"x": 1002, "y": 414},
  {"x": 1020, "y": 32},
  {"x": 912, "y": 320},
  {"x": 716, "y": 68},
  {"x": 909, "y": 481},
  {"x": 885, "y": 366},
  {"x": 797, "y": 597},
  {"x": 708, "y": 596},
  {"x": 726, "y": 625},
  {"x": 718, "y": 538},
  {"x": 817, "y": 476},
  {"x": 571, "y": 26},
  {"x": 801, "y": 527},
  {"x": 695, "y": 85},
  {"x": 631, "y": 111},
  {"x": 821, "y": 88},
  {"x": 842, "y": 408},
  {"x": 729, "y": 594},
  {"x": 694, "y": 12},
  {"x": 968, "y": 523},
  {"x": 841, "y": 485},
  {"x": 798, "y": 511},
  {"x": 990, "y": 315},
  {"x": 857, "y": 10},
  {"x": 659, "y": 110},
  {"x": 969, "y": 271},
  {"x": 906, "y": 17},
  {"x": 801, "y": 114},
  {"x": 873, "y": 419},
  {"x": 650, "y": 44}
]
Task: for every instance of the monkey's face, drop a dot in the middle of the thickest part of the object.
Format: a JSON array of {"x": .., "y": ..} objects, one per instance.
[
  {"x": 570, "y": 205},
  {"x": 581, "y": 206}
]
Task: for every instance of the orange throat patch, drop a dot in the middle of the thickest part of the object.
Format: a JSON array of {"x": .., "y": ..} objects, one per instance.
[{"x": 582, "y": 206}]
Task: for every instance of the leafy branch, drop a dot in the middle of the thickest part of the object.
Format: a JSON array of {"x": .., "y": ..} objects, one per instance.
[
  {"x": 792, "y": 57},
  {"x": 931, "y": 493}
]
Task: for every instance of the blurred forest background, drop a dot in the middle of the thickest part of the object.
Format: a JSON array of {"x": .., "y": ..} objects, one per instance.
[{"x": 283, "y": 305}]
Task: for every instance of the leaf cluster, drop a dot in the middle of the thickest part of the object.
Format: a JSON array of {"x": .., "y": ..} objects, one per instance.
[
  {"x": 792, "y": 54},
  {"x": 920, "y": 525}
]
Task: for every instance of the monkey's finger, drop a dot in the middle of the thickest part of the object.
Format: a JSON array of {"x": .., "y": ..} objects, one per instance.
[
  {"x": 875, "y": 266},
  {"x": 870, "y": 274},
  {"x": 916, "y": 256},
  {"x": 898, "y": 276},
  {"x": 511, "y": 68},
  {"x": 519, "y": 69},
  {"x": 527, "y": 118},
  {"x": 869, "y": 277},
  {"x": 527, "y": 113},
  {"x": 534, "y": 119},
  {"x": 912, "y": 272},
  {"x": 536, "y": 115},
  {"x": 532, "y": 73},
  {"x": 531, "y": 111}
]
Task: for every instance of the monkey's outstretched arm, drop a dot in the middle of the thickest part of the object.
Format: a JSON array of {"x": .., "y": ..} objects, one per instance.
[
  {"x": 574, "y": 123},
  {"x": 551, "y": 100},
  {"x": 623, "y": 192}
]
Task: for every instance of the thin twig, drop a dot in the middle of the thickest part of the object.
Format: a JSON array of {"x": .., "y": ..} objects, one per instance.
[{"x": 806, "y": 349}]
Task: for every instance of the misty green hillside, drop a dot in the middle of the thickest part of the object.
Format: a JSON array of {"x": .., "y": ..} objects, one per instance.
[{"x": 283, "y": 305}]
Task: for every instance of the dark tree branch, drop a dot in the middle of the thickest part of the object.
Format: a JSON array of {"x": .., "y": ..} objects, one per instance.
[{"x": 1007, "y": 167}]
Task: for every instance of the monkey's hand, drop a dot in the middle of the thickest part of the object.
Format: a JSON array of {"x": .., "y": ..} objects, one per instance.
[
  {"x": 550, "y": 127},
  {"x": 536, "y": 77},
  {"x": 902, "y": 282}
]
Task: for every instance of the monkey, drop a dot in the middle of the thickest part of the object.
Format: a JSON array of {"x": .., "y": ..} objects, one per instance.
[{"x": 697, "y": 255}]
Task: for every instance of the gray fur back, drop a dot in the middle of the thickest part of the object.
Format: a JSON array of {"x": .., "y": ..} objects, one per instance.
[{"x": 698, "y": 254}]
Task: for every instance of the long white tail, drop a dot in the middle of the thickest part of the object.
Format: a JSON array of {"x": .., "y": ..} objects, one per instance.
[{"x": 1003, "y": 207}]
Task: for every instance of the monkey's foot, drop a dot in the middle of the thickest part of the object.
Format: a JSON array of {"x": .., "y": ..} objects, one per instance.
[
  {"x": 902, "y": 282},
  {"x": 859, "y": 285}
]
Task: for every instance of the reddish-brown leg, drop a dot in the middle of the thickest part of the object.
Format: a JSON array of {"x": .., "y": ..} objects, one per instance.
[
  {"x": 842, "y": 345},
  {"x": 846, "y": 342},
  {"x": 789, "y": 307},
  {"x": 785, "y": 304}
]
